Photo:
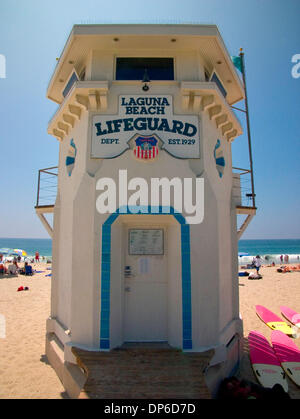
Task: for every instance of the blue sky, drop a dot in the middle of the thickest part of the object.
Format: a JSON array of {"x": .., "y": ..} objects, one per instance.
[{"x": 33, "y": 34}]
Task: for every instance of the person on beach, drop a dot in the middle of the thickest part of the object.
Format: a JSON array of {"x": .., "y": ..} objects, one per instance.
[
  {"x": 281, "y": 259},
  {"x": 286, "y": 259},
  {"x": 27, "y": 269},
  {"x": 37, "y": 257},
  {"x": 3, "y": 268},
  {"x": 257, "y": 263},
  {"x": 13, "y": 268}
]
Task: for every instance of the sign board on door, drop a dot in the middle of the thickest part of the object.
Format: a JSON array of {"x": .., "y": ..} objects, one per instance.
[{"x": 146, "y": 242}]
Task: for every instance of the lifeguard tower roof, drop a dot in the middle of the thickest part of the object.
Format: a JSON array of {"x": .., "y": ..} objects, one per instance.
[{"x": 204, "y": 40}]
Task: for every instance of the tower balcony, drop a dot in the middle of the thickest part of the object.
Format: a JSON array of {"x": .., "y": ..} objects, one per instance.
[
  {"x": 46, "y": 195},
  {"x": 243, "y": 196}
]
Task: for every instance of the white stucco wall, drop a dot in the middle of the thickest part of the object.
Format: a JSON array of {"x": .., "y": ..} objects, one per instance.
[{"x": 77, "y": 235}]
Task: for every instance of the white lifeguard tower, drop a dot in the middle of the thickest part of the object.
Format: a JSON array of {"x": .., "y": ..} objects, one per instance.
[{"x": 141, "y": 109}]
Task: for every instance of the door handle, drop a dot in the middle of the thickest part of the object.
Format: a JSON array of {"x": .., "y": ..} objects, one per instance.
[{"x": 127, "y": 289}]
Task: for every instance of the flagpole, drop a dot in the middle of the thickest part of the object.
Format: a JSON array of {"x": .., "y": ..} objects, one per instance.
[{"x": 248, "y": 125}]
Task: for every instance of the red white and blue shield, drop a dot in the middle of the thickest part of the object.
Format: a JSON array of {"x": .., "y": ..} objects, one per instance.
[{"x": 146, "y": 148}]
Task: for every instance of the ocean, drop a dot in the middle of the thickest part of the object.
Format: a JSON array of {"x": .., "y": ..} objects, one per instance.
[
  {"x": 267, "y": 247},
  {"x": 272, "y": 249},
  {"x": 43, "y": 246}
]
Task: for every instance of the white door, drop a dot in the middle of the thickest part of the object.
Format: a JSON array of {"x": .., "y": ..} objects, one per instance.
[{"x": 145, "y": 284}]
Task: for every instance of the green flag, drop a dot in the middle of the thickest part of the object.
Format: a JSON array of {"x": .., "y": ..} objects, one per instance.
[{"x": 237, "y": 61}]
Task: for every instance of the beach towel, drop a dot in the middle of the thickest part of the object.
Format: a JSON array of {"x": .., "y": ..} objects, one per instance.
[
  {"x": 254, "y": 276},
  {"x": 243, "y": 273}
]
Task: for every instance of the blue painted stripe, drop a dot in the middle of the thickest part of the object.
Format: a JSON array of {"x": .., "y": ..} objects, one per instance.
[
  {"x": 104, "y": 344},
  {"x": 105, "y": 288},
  {"x": 220, "y": 161},
  {"x": 179, "y": 218},
  {"x": 187, "y": 344},
  {"x": 70, "y": 160},
  {"x": 186, "y": 287}
]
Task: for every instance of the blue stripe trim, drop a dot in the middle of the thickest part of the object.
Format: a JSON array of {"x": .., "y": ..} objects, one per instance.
[
  {"x": 220, "y": 161},
  {"x": 186, "y": 287},
  {"x": 104, "y": 344},
  {"x": 69, "y": 160},
  {"x": 185, "y": 275},
  {"x": 105, "y": 288}
]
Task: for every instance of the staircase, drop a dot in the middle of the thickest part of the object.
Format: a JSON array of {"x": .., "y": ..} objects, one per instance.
[{"x": 143, "y": 372}]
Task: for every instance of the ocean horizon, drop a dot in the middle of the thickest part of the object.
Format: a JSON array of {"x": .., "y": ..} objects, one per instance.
[
  {"x": 43, "y": 246},
  {"x": 262, "y": 247}
]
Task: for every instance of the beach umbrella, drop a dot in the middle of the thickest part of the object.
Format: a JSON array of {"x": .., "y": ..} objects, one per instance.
[
  {"x": 4, "y": 251},
  {"x": 12, "y": 253},
  {"x": 20, "y": 252},
  {"x": 243, "y": 254}
]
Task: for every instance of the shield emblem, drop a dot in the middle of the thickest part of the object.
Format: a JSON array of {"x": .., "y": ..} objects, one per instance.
[{"x": 146, "y": 148}]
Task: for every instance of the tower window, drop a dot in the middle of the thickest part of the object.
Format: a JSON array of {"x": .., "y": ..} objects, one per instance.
[
  {"x": 82, "y": 75},
  {"x": 133, "y": 68},
  {"x": 206, "y": 74},
  {"x": 218, "y": 82},
  {"x": 70, "y": 83}
]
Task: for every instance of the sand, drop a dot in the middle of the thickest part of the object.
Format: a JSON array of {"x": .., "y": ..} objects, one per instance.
[
  {"x": 24, "y": 370},
  {"x": 272, "y": 291}
]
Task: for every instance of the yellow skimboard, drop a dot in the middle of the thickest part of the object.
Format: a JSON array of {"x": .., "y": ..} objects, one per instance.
[{"x": 273, "y": 321}]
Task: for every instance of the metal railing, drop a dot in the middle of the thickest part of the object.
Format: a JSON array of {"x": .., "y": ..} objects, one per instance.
[
  {"x": 47, "y": 187},
  {"x": 247, "y": 196}
]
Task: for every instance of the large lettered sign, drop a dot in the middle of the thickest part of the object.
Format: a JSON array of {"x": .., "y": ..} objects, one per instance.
[{"x": 145, "y": 116}]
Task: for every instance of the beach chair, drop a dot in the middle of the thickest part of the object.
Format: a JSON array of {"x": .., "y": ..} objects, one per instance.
[
  {"x": 12, "y": 269},
  {"x": 28, "y": 270}
]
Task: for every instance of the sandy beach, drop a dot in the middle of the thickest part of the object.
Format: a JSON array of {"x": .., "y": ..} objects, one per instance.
[
  {"x": 24, "y": 370},
  {"x": 272, "y": 291}
]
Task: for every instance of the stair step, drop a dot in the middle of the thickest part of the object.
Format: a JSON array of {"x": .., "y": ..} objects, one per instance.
[{"x": 141, "y": 372}]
